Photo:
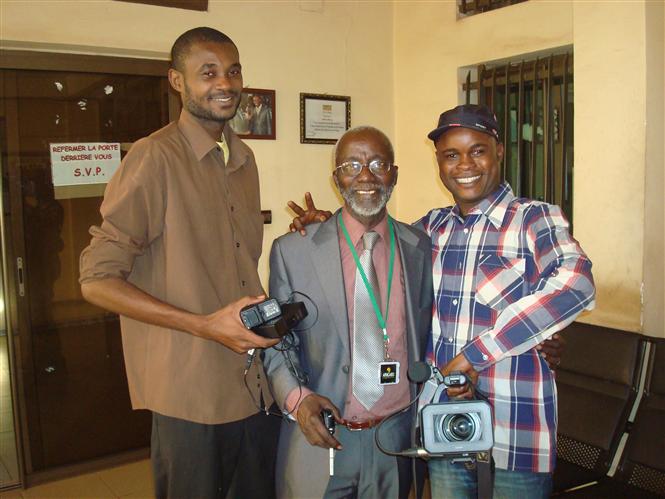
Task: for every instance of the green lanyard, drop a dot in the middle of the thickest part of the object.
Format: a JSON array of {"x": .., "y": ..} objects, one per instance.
[{"x": 370, "y": 291}]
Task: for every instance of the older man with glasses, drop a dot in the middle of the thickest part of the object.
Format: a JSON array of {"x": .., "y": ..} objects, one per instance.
[{"x": 367, "y": 279}]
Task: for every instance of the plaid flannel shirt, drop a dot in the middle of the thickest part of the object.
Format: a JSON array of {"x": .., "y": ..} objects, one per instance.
[{"x": 506, "y": 277}]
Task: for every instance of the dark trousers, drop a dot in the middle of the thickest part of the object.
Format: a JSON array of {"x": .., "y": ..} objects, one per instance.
[{"x": 192, "y": 460}]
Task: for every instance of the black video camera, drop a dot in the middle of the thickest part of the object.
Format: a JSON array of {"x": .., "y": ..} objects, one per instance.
[{"x": 272, "y": 320}]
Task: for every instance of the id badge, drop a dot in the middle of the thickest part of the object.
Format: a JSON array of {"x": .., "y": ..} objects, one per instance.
[{"x": 389, "y": 373}]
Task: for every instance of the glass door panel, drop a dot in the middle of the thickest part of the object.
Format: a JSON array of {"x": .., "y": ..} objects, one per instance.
[{"x": 77, "y": 402}]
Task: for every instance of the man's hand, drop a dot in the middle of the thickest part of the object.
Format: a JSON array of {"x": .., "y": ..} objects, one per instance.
[
  {"x": 460, "y": 364},
  {"x": 552, "y": 350},
  {"x": 311, "y": 423},
  {"x": 303, "y": 218},
  {"x": 225, "y": 327}
]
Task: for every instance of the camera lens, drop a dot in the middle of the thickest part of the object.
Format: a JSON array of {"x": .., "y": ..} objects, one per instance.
[{"x": 458, "y": 427}]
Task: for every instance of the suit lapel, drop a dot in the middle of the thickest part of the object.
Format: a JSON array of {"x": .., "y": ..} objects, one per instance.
[
  {"x": 328, "y": 264},
  {"x": 412, "y": 269}
]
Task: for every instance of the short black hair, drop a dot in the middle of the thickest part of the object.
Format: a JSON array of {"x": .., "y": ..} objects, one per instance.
[{"x": 195, "y": 35}]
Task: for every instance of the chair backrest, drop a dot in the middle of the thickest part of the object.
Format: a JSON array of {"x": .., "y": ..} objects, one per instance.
[
  {"x": 597, "y": 385},
  {"x": 643, "y": 461}
]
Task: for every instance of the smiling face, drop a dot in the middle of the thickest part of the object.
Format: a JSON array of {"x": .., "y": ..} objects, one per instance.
[
  {"x": 366, "y": 194},
  {"x": 469, "y": 165},
  {"x": 210, "y": 83}
]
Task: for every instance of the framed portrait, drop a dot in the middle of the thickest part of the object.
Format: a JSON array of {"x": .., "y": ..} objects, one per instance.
[
  {"x": 323, "y": 118},
  {"x": 255, "y": 118}
]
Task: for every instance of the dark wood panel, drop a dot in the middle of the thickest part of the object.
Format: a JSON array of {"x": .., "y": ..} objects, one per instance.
[
  {"x": 201, "y": 5},
  {"x": 27, "y": 59},
  {"x": 85, "y": 411}
]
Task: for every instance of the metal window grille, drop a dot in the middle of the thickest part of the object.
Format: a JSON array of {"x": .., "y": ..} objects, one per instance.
[{"x": 533, "y": 101}]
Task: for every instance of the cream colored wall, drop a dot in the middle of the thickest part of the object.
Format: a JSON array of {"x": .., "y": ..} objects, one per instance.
[
  {"x": 654, "y": 206},
  {"x": 342, "y": 48},
  {"x": 610, "y": 106},
  {"x": 610, "y": 84},
  {"x": 406, "y": 77},
  {"x": 430, "y": 45}
]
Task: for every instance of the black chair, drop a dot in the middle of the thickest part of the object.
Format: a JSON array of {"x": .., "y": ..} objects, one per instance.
[
  {"x": 641, "y": 471},
  {"x": 597, "y": 385},
  {"x": 642, "y": 466}
]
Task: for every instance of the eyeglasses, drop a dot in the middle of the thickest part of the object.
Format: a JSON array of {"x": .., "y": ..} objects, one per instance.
[{"x": 376, "y": 166}]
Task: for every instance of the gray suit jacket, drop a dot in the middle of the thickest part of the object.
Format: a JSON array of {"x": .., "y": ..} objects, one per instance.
[{"x": 312, "y": 265}]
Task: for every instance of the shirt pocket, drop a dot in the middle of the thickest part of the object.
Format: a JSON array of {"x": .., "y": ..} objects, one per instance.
[{"x": 500, "y": 281}]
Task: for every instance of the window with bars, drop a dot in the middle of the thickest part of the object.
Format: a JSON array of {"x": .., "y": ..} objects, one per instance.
[
  {"x": 533, "y": 102},
  {"x": 467, "y": 8}
]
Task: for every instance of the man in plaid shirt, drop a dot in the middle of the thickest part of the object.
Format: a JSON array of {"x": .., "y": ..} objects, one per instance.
[{"x": 507, "y": 275}]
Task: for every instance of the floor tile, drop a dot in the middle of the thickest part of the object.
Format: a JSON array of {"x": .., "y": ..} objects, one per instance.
[
  {"x": 88, "y": 486},
  {"x": 141, "y": 494},
  {"x": 8, "y": 457},
  {"x": 11, "y": 494},
  {"x": 128, "y": 478}
]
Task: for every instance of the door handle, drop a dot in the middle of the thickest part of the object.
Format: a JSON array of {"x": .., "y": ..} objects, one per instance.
[{"x": 20, "y": 274}]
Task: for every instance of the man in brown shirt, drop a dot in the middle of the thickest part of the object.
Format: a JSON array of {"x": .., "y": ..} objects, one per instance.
[{"x": 176, "y": 256}]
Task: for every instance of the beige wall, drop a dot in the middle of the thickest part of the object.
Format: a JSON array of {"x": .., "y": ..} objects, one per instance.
[
  {"x": 430, "y": 45},
  {"x": 320, "y": 47},
  {"x": 654, "y": 206},
  {"x": 610, "y": 113},
  {"x": 401, "y": 79}
]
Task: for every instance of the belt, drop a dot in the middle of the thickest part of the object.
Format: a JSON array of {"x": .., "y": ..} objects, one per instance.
[{"x": 362, "y": 425}]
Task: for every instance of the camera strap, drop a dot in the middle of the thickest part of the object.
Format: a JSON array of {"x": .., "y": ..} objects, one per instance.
[
  {"x": 375, "y": 305},
  {"x": 485, "y": 475}
]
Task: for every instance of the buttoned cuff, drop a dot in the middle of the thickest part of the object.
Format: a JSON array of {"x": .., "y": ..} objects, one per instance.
[{"x": 482, "y": 352}]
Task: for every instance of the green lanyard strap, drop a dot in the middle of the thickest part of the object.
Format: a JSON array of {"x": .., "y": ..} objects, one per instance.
[{"x": 370, "y": 291}]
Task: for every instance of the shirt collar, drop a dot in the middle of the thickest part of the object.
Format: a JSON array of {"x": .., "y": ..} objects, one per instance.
[
  {"x": 201, "y": 143},
  {"x": 199, "y": 140},
  {"x": 494, "y": 206},
  {"x": 356, "y": 230}
]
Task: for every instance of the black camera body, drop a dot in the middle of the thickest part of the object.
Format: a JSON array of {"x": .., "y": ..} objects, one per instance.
[
  {"x": 328, "y": 420},
  {"x": 272, "y": 320}
]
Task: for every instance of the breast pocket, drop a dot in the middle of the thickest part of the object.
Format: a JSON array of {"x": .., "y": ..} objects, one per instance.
[{"x": 499, "y": 281}]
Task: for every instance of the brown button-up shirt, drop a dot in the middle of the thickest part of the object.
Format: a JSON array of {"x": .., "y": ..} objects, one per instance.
[{"x": 185, "y": 226}]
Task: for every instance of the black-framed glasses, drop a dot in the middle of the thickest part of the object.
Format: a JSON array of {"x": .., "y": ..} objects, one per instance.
[{"x": 376, "y": 166}]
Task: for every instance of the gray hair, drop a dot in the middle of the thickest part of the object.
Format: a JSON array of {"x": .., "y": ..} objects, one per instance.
[{"x": 360, "y": 129}]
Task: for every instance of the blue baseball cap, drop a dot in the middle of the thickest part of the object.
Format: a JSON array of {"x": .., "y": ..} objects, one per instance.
[{"x": 480, "y": 118}]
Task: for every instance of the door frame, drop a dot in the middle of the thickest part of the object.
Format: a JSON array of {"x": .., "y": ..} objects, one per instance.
[{"x": 21, "y": 356}]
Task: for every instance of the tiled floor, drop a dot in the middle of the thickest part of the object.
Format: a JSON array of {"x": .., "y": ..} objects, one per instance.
[
  {"x": 130, "y": 480},
  {"x": 8, "y": 464}
]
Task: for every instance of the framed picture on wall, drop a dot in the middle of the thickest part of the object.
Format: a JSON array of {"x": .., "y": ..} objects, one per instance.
[
  {"x": 323, "y": 118},
  {"x": 255, "y": 118}
]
